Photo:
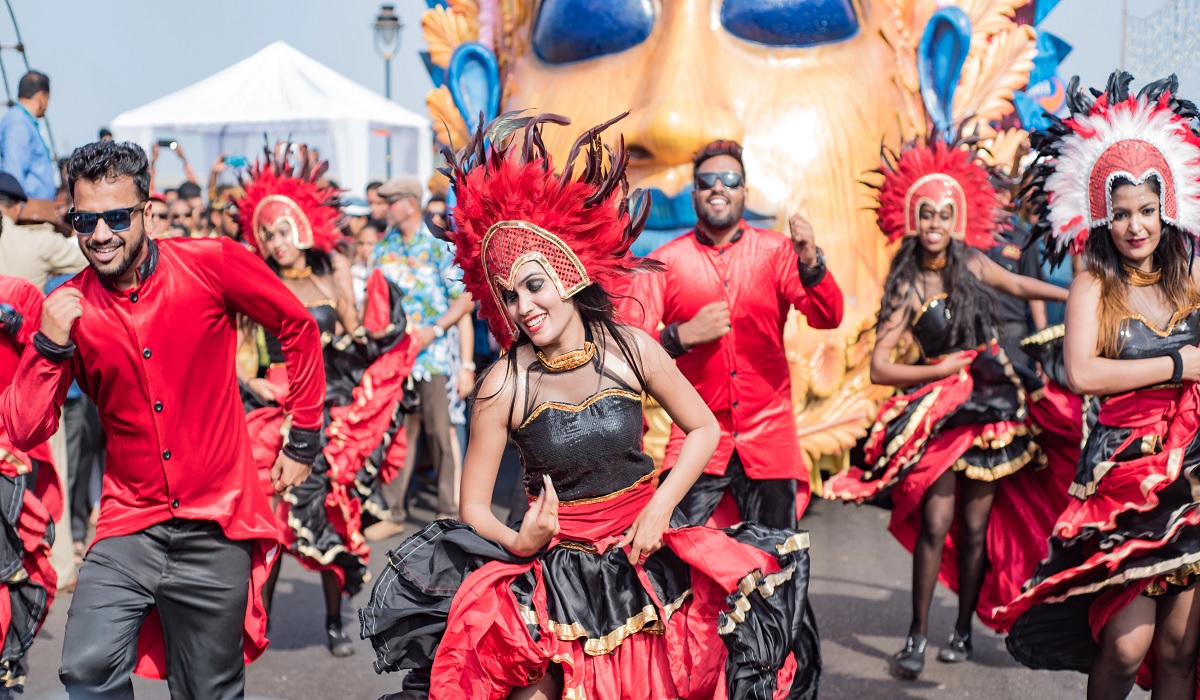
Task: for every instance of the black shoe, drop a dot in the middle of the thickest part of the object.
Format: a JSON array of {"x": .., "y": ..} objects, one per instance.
[
  {"x": 406, "y": 695},
  {"x": 910, "y": 661},
  {"x": 339, "y": 644},
  {"x": 958, "y": 649}
]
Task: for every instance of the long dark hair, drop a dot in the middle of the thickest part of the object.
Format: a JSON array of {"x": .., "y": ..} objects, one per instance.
[
  {"x": 1173, "y": 257},
  {"x": 971, "y": 303},
  {"x": 598, "y": 313}
]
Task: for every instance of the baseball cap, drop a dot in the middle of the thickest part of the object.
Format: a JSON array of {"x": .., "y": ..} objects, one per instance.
[
  {"x": 9, "y": 187},
  {"x": 356, "y": 206},
  {"x": 402, "y": 186}
]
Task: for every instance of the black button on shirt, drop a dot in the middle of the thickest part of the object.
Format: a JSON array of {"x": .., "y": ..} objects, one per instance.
[
  {"x": 146, "y": 353},
  {"x": 158, "y": 406},
  {"x": 166, "y": 454}
]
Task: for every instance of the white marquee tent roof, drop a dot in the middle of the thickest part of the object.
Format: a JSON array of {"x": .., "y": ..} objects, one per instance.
[{"x": 281, "y": 91}]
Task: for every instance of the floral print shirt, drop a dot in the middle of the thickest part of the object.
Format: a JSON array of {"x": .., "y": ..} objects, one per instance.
[{"x": 424, "y": 268}]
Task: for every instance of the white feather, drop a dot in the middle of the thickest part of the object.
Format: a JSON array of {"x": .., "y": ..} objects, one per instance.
[{"x": 1068, "y": 186}]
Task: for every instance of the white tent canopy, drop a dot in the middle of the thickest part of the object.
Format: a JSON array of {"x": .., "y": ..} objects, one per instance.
[{"x": 281, "y": 92}]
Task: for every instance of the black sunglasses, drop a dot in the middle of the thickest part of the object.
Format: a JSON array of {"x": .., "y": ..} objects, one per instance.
[
  {"x": 84, "y": 222},
  {"x": 707, "y": 181}
]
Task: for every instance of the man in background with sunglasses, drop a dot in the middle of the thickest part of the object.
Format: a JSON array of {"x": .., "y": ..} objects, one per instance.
[
  {"x": 185, "y": 540},
  {"x": 723, "y": 302}
]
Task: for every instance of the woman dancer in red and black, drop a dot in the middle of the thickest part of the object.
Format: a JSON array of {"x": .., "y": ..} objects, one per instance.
[
  {"x": 32, "y": 502},
  {"x": 596, "y": 594},
  {"x": 1116, "y": 598},
  {"x": 940, "y": 449},
  {"x": 290, "y": 219}
]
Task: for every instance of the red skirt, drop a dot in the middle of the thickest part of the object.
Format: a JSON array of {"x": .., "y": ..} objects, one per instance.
[
  {"x": 1133, "y": 529},
  {"x": 714, "y": 613},
  {"x": 320, "y": 521},
  {"x": 27, "y": 514},
  {"x": 977, "y": 422}
]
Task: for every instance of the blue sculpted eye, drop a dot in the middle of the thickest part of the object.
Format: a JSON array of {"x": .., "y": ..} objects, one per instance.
[
  {"x": 790, "y": 22},
  {"x": 576, "y": 30}
]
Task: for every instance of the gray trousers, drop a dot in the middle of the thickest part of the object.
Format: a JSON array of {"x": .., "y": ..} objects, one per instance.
[
  {"x": 436, "y": 431},
  {"x": 199, "y": 581},
  {"x": 85, "y": 454}
]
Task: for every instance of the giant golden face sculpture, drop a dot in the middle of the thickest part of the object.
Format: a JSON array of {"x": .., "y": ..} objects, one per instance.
[{"x": 809, "y": 87}]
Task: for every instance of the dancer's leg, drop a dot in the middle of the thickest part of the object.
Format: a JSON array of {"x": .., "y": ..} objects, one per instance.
[
  {"x": 938, "y": 515},
  {"x": 1176, "y": 637},
  {"x": 975, "y": 509},
  {"x": 1123, "y": 644}
]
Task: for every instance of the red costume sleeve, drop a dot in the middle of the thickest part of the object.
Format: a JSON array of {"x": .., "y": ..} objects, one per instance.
[
  {"x": 30, "y": 407},
  {"x": 821, "y": 303},
  {"x": 27, "y": 300},
  {"x": 251, "y": 289}
]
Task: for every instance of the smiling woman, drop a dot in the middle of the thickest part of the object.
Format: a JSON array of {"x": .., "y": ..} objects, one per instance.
[
  {"x": 598, "y": 593},
  {"x": 1117, "y": 182}
]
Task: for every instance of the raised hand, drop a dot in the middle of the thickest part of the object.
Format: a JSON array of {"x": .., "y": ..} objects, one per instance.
[
  {"x": 803, "y": 241},
  {"x": 710, "y": 323},
  {"x": 62, "y": 308}
]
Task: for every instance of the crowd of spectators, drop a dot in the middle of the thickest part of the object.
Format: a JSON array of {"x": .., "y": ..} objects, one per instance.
[{"x": 383, "y": 227}]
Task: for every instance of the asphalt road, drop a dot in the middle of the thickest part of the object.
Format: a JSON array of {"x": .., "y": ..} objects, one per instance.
[{"x": 860, "y": 591}]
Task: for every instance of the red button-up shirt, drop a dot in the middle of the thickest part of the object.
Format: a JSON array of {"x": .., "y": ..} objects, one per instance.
[
  {"x": 743, "y": 376},
  {"x": 158, "y": 361}
]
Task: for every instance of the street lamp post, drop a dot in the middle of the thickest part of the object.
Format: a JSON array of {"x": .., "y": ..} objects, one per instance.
[{"x": 387, "y": 28}]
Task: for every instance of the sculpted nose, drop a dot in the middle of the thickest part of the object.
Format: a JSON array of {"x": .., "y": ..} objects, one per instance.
[
  {"x": 681, "y": 104},
  {"x": 676, "y": 124}
]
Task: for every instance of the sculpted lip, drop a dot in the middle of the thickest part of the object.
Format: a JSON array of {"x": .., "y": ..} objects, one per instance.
[{"x": 534, "y": 323}]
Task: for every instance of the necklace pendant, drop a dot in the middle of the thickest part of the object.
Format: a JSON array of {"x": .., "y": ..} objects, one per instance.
[
  {"x": 569, "y": 360},
  {"x": 291, "y": 273}
]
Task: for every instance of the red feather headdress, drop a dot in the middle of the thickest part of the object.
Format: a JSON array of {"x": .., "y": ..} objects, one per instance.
[
  {"x": 274, "y": 195},
  {"x": 937, "y": 173},
  {"x": 511, "y": 208},
  {"x": 1109, "y": 135}
]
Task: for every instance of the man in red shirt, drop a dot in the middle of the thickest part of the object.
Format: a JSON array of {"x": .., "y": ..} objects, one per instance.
[
  {"x": 724, "y": 300},
  {"x": 185, "y": 538}
]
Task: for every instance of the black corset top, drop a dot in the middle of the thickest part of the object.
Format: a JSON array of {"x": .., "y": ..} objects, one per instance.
[
  {"x": 590, "y": 450},
  {"x": 325, "y": 312},
  {"x": 931, "y": 328},
  {"x": 1141, "y": 339}
]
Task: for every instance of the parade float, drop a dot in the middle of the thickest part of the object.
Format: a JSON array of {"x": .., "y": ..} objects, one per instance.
[{"x": 811, "y": 88}]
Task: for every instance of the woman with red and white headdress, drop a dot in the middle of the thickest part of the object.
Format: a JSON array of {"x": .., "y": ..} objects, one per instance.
[
  {"x": 595, "y": 594},
  {"x": 289, "y": 219},
  {"x": 1119, "y": 183},
  {"x": 944, "y": 453}
]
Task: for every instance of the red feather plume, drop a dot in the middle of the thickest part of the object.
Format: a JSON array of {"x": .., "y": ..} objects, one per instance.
[
  {"x": 590, "y": 213},
  {"x": 273, "y": 177},
  {"x": 959, "y": 161}
]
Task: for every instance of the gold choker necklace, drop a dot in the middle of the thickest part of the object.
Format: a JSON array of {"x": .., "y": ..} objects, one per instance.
[
  {"x": 291, "y": 273},
  {"x": 569, "y": 360},
  {"x": 934, "y": 264},
  {"x": 1143, "y": 279}
]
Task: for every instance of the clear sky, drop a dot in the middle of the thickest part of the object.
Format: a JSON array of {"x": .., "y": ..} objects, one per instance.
[{"x": 105, "y": 57}]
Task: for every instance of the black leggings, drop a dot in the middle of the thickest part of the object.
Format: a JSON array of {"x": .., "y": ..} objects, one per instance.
[{"x": 974, "y": 510}]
